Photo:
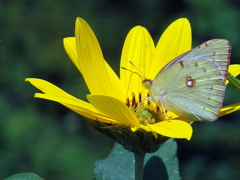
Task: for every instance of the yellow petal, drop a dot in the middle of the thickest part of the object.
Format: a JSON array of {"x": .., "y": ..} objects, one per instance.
[
  {"x": 174, "y": 129},
  {"x": 97, "y": 76},
  {"x": 234, "y": 69},
  {"x": 113, "y": 108},
  {"x": 70, "y": 48},
  {"x": 140, "y": 126},
  {"x": 145, "y": 128},
  {"x": 229, "y": 109},
  {"x": 83, "y": 108},
  {"x": 176, "y": 39},
  {"x": 46, "y": 87},
  {"x": 56, "y": 94},
  {"x": 138, "y": 48}
]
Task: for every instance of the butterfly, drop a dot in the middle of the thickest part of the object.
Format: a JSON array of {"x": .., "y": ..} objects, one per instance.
[{"x": 193, "y": 84}]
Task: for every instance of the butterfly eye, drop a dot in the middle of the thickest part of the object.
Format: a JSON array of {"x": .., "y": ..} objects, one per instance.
[{"x": 147, "y": 84}]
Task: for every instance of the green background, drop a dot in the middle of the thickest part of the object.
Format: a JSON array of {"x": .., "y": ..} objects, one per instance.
[{"x": 46, "y": 138}]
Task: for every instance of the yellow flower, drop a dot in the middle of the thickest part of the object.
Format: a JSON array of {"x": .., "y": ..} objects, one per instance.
[{"x": 119, "y": 102}]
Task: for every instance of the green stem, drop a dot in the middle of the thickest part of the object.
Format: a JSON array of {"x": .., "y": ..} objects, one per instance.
[
  {"x": 139, "y": 162},
  {"x": 233, "y": 80}
]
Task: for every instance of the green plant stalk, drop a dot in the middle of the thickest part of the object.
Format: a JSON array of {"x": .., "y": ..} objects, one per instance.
[
  {"x": 139, "y": 163},
  {"x": 233, "y": 80}
]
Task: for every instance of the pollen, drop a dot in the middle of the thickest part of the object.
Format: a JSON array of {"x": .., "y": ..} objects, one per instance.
[
  {"x": 146, "y": 111},
  {"x": 147, "y": 116}
]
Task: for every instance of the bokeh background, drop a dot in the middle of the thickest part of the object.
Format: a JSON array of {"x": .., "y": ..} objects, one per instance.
[{"x": 46, "y": 138}]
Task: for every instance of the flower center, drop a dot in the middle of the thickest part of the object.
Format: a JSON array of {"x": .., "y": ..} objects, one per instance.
[
  {"x": 146, "y": 116},
  {"x": 145, "y": 112},
  {"x": 133, "y": 103}
]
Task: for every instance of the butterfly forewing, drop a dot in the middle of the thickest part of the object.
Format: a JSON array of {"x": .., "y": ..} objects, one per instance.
[
  {"x": 216, "y": 50},
  {"x": 192, "y": 88}
]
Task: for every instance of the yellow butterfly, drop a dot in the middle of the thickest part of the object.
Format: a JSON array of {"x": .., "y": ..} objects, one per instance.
[{"x": 193, "y": 84}]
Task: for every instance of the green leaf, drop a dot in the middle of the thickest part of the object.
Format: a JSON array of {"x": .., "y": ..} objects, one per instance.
[
  {"x": 233, "y": 80},
  {"x": 24, "y": 176},
  {"x": 119, "y": 165}
]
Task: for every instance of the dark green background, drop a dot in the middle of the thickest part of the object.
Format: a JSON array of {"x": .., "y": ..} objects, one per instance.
[{"x": 48, "y": 139}]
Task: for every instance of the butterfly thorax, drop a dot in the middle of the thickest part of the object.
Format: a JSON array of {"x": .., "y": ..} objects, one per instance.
[{"x": 156, "y": 94}]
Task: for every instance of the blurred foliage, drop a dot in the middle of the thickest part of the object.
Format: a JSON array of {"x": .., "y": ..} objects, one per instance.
[
  {"x": 48, "y": 139},
  {"x": 24, "y": 176}
]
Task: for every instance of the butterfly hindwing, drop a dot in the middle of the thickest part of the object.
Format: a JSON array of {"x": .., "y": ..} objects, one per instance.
[{"x": 193, "y": 88}]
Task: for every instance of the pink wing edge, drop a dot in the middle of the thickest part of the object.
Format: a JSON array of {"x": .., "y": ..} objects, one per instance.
[{"x": 224, "y": 75}]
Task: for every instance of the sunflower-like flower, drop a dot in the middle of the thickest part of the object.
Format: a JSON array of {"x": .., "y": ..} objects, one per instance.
[{"x": 118, "y": 106}]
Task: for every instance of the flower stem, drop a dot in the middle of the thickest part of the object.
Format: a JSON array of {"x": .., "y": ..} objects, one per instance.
[
  {"x": 139, "y": 162},
  {"x": 233, "y": 80}
]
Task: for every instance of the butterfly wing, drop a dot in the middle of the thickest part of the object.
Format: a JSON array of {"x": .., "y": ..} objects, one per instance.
[
  {"x": 216, "y": 50},
  {"x": 192, "y": 88}
]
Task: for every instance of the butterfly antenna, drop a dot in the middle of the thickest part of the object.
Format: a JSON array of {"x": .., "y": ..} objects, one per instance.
[
  {"x": 140, "y": 72},
  {"x": 141, "y": 75},
  {"x": 133, "y": 72}
]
